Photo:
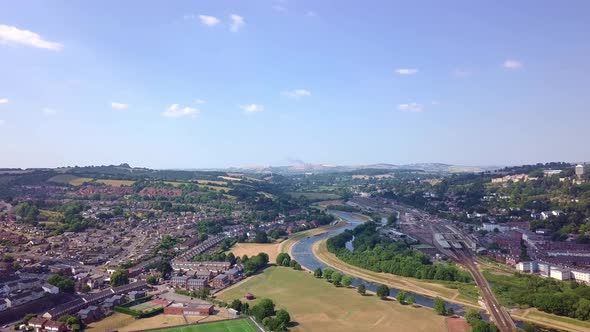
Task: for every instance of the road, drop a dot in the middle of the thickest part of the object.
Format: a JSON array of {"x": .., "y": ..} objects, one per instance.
[{"x": 498, "y": 314}]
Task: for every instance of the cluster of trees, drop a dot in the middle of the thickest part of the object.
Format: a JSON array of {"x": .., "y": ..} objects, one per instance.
[
  {"x": 264, "y": 312},
  {"x": 404, "y": 298},
  {"x": 255, "y": 263},
  {"x": 440, "y": 307},
  {"x": 27, "y": 213},
  {"x": 119, "y": 278},
  {"x": 65, "y": 284},
  {"x": 380, "y": 254},
  {"x": 283, "y": 259},
  {"x": 334, "y": 277},
  {"x": 477, "y": 323},
  {"x": 561, "y": 298}
]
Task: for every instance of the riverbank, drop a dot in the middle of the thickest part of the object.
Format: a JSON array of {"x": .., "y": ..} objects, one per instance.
[{"x": 429, "y": 289}]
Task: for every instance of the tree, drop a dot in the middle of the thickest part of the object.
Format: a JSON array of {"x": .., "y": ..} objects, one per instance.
[
  {"x": 318, "y": 272},
  {"x": 283, "y": 259},
  {"x": 28, "y": 317},
  {"x": 261, "y": 237},
  {"x": 283, "y": 317},
  {"x": 361, "y": 289},
  {"x": 119, "y": 278},
  {"x": 336, "y": 278},
  {"x": 346, "y": 281},
  {"x": 165, "y": 269},
  {"x": 264, "y": 308},
  {"x": 382, "y": 291},
  {"x": 440, "y": 306},
  {"x": 401, "y": 297},
  {"x": 64, "y": 284},
  {"x": 152, "y": 280},
  {"x": 411, "y": 300},
  {"x": 328, "y": 274},
  {"x": 450, "y": 312},
  {"x": 236, "y": 304},
  {"x": 472, "y": 315}
]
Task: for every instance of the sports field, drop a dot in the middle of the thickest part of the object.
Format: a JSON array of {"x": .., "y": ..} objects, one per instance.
[
  {"x": 234, "y": 325},
  {"x": 146, "y": 306}
]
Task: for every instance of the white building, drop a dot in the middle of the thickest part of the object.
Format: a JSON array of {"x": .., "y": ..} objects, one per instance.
[
  {"x": 491, "y": 227},
  {"x": 581, "y": 276},
  {"x": 579, "y": 171},
  {"x": 528, "y": 267},
  {"x": 544, "y": 269},
  {"x": 559, "y": 274},
  {"x": 50, "y": 289}
]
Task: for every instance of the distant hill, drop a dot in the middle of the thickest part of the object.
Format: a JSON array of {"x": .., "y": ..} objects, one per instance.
[{"x": 322, "y": 168}]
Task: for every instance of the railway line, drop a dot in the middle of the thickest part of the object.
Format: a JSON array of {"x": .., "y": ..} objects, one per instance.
[{"x": 499, "y": 314}]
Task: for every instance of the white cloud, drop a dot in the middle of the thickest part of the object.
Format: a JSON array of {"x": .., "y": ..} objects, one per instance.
[
  {"x": 119, "y": 106},
  {"x": 48, "y": 111},
  {"x": 237, "y": 22},
  {"x": 311, "y": 13},
  {"x": 252, "y": 108},
  {"x": 2, "y": 122},
  {"x": 297, "y": 93},
  {"x": 407, "y": 71},
  {"x": 209, "y": 20},
  {"x": 199, "y": 101},
  {"x": 3, "y": 101},
  {"x": 512, "y": 64},
  {"x": 13, "y": 35},
  {"x": 411, "y": 107},
  {"x": 177, "y": 111}
]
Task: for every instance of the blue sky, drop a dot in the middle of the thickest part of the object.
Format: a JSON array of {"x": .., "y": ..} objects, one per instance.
[{"x": 183, "y": 84}]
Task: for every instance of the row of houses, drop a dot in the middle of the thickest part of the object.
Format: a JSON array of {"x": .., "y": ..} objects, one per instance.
[
  {"x": 40, "y": 324},
  {"x": 547, "y": 270},
  {"x": 208, "y": 279},
  {"x": 86, "y": 301}
]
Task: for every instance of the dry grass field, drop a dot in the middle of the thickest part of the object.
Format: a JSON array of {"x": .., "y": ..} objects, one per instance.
[
  {"x": 317, "y": 305},
  {"x": 253, "y": 249}
]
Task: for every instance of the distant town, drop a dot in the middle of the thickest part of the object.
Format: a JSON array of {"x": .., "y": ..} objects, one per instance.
[{"x": 85, "y": 246}]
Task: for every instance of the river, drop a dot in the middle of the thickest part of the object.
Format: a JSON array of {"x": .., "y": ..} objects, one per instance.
[{"x": 303, "y": 254}]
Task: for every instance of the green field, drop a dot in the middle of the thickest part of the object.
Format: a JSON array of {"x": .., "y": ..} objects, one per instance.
[{"x": 235, "y": 325}]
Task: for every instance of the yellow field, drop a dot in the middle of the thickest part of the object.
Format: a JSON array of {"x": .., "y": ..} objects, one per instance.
[
  {"x": 216, "y": 188},
  {"x": 229, "y": 178},
  {"x": 316, "y": 305},
  {"x": 253, "y": 249},
  {"x": 116, "y": 183},
  {"x": 80, "y": 181},
  {"x": 219, "y": 183}
]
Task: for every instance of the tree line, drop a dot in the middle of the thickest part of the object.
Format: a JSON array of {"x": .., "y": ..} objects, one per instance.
[{"x": 380, "y": 254}]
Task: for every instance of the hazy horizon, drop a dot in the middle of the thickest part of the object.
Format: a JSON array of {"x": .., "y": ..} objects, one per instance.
[{"x": 220, "y": 84}]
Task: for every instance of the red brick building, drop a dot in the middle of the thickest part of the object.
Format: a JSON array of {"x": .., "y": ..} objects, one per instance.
[{"x": 189, "y": 309}]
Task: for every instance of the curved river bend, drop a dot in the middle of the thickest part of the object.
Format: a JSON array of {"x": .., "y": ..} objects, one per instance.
[{"x": 303, "y": 254}]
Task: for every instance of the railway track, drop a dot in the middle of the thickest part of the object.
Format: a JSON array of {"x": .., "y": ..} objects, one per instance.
[{"x": 498, "y": 314}]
